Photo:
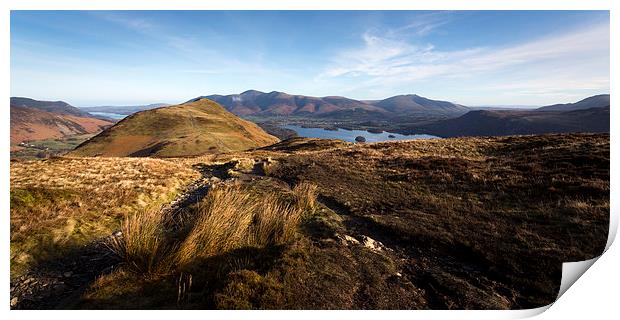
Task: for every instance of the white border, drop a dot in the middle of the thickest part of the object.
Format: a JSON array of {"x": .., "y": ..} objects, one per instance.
[{"x": 596, "y": 293}]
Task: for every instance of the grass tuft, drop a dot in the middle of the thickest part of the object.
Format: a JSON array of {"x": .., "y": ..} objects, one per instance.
[
  {"x": 143, "y": 244},
  {"x": 229, "y": 218}
]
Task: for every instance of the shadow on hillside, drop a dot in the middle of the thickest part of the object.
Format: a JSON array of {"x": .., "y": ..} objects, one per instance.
[
  {"x": 209, "y": 283},
  {"x": 441, "y": 266},
  {"x": 56, "y": 282},
  {"x": 215, "y": 170}
]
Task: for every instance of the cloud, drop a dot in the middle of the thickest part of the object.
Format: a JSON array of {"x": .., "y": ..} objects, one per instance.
[
  {"x": 424, "y": 24},
  {"x": 576, "y": 59}
]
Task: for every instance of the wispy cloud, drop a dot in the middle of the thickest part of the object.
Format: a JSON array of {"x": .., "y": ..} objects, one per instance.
[
  {"x": 424, "y": 24},
  {"x": 574, "y": 59}
]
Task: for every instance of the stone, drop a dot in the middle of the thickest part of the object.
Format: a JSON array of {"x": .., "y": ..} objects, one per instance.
[
  {"x": 14, "y": 301},
  {"x": 347, "y": 240},
  {"x": 67, "y": 274},
  {"x": 360, "y": 139},
  {"x": 371, "y": 243}
]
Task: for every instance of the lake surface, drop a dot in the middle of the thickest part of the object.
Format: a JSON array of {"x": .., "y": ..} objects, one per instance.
[
  {"x": 349, "y": 135},
  {"x": 110, "y": 115}
]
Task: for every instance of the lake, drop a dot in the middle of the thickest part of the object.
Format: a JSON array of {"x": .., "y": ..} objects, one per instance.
[
  {"x": 110, "y": 115},
  {"x": 349, "y": 135}
]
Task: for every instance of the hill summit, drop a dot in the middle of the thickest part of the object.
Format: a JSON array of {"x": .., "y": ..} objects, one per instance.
[{"x": 189, "y": 129}]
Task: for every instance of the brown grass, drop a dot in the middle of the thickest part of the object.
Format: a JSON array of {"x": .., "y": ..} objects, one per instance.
[
  {"x": 61, "y": 203},
  {"x": 229, "y": 218},
  {"x": 305, "y": 195},
  {"x": 514, "y": 205},
  {"x": 143, "y": 244}
]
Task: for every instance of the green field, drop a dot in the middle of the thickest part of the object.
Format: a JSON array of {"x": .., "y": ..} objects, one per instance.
[{"x": 50, "y": 147}]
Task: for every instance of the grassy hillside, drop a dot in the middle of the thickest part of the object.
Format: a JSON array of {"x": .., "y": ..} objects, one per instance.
[
  {"x": 188, "y": 129},
  {"x": 474, "y": 223},
  {"x": 598, "y": 101},
  {"x": 508, "y": 122},
  {"x": 60, "y": 204}
]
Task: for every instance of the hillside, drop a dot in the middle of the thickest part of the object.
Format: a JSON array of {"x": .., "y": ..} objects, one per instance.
[
  {"x": 188, "y": 129},
  {"x": 58, "y": 107},
  {"x": 511, "y": 122},
  {"x": 312, "y": 224},
  {"x": 598, "y": 101},
  {"x": 254, "y": 102},
  {"x": 35, "y": 123},
  {"x": 413, "y": 103}
]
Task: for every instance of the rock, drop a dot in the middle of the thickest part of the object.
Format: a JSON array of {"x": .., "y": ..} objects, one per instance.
[
  {"x": 391, "y": 136},
  {"x": 347, "y": 240},
  {"x": 14, "y": 301},
  {"x": 360, "y": 139},
  {"x": 372, "y": 244},
  {"x": 117, "y": 234},
  {"x": 214, "y": 180},
  {"x": 67, "y": 274}
]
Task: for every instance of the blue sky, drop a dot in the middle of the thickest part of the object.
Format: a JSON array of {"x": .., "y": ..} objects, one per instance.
[{"x": 90, "y": 58}]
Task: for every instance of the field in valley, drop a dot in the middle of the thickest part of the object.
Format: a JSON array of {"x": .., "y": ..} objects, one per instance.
[{"x": 462, "y": 223}]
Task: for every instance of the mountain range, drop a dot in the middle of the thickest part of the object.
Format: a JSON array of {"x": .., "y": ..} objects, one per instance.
[
  {"x": 253, "y": 102},
  {"x": 207, "y": 124},
  {"x": 588, "y": 115}
]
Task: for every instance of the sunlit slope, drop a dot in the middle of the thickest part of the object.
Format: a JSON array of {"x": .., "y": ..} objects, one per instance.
[{"x": 189, "y": 129}]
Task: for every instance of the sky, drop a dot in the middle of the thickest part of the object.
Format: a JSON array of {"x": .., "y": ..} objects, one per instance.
[{"x": 94, "y": 58}]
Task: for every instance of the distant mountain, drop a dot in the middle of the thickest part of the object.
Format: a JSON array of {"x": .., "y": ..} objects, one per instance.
[
  {"x": 254, "y": 102},
  {"x": 126, "y": 110},
  {"x": 58, "y": 107},
  {"x": 598, "y": 101},
  {"x": 37, "y": 120},
  {"x": 501, "y": 123},
  {"x": 413, "y": 103},
  {"x": 189, "y": 129}
]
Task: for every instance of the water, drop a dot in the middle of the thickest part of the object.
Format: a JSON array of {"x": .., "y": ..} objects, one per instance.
[
  {"x": 349, "y": 135},
  {"x": 110, "y": 115}
]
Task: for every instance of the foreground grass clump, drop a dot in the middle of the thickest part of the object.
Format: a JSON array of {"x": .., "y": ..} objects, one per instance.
[
  {"x": 229, "y": 218},
  {"x": 143, "y": 244},
  {"x": 60, "y": 204}
]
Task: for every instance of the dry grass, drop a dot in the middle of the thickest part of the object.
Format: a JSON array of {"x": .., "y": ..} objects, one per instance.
[
  {"x": 143, "y": 243},
  {"x": 305, "y": 195},
  {"x": 515, "y": 205},
  {"x": 230, "y": 217},
  {"x": 61, "y": 203}
]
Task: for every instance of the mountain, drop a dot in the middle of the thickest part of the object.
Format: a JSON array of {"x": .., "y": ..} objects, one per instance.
[
  {"x": 598, "y": 101},
  {"x": 501, "y": 123},
  {"x": 411, "y": 103},
  {"x": 126, "y": 110},
  {"x": 254, "y": 102},
  {"x": 37, "y": 120},
  {"x": 57, "y": 107},
  {"x": 276, "y": 103},
  {"x": 189, "y": 129}
]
